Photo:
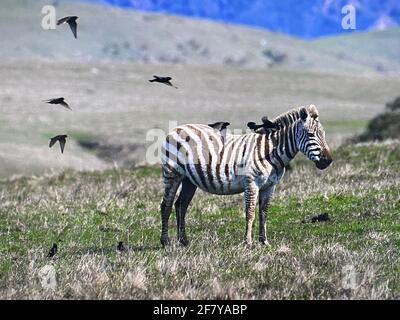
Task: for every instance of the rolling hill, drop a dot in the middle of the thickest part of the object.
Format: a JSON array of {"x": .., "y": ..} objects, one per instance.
[{"x": 110, "y": 33}]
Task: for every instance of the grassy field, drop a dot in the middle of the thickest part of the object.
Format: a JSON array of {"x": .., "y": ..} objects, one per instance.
[
  {"x": 88, "y": 213},
  {"x": 102, "y": 189}
]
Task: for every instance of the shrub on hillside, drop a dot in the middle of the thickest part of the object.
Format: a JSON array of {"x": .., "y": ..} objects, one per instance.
[{"x": 385, "y": 125}]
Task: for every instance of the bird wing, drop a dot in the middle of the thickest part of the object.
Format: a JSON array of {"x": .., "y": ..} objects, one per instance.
[
  {"x": 170, "y": 84},
  {"x": 73, "y": 26},
  {"x": 63, "y": 20},
  {"x": 53, "y": 141},
  {"x": 62, "y": 144},
  {"x": 64, "y": 104}
]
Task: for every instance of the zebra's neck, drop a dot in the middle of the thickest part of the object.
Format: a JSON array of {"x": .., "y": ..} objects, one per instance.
[{"x": 284, "y": 146}]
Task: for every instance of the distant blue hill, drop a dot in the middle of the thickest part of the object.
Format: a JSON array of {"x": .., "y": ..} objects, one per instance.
[{"x": 301, "y": 18}]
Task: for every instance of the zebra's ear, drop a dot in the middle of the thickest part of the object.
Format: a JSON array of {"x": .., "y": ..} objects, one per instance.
[
  {"x": 303, "y": 114},
  {"x": 312, "y": 110}
]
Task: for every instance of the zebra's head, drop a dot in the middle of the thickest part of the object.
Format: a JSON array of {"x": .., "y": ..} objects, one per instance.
[{"x": 311, "y": 138}]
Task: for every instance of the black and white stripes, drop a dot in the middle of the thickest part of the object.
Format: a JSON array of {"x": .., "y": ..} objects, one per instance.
[{"x": 253, "y": 163}]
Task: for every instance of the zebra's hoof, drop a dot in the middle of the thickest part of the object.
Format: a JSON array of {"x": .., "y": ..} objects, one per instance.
[
  {"x": 264, "y": 242},
  {"x": 165, "y": 242},
  {"x": 184, "y": 242},
  {"x": 248, "y": 243}
]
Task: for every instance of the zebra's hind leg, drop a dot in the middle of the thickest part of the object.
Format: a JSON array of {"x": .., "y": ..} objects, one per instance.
[
  {"x": 181, "y": 205},
  {"x": 171, "y": 185}
]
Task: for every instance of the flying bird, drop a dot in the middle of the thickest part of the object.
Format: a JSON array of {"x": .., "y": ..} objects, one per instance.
[
  {"x": 221, "y": 127},
  {"x": 71, "y": 20},
  {"x": 121, "y": 246},
  {"x": 59, "y": 101},
  {"x": 61, "y": 139},
  {"x": 52, "y": 251},
  {"x": 165, "y": 80}
]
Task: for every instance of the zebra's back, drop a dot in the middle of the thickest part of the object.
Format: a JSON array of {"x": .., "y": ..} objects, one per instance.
[{"x": 215, "y": 165}]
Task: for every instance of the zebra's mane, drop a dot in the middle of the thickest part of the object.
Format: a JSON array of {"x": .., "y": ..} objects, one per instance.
[{"x": 284, "y": 120}]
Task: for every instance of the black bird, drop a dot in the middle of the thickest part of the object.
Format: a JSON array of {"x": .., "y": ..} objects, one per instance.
[
  {"x": 221, "y": 127},
  {"x": 321, "y": 218},
  {"x": 58, "y": 101},
  {"x": 71, "y": 20},
  {"x": 61, "y": 139},
  {"x": 165, "y": 80},
  {"x": 253, "y": 126},
  {"x": 52, "y": 251},
  {"x": 267, "y": 125},
  {"x": 121, "y": 246}
]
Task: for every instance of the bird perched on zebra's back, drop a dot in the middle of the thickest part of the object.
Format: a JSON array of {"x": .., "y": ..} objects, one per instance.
[
  {"x": 221, "y": 128},
  {"x": 266, "y": 125}
]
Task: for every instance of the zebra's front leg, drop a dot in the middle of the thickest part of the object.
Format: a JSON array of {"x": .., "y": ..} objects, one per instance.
[
  {"x": 171, "y": 185},
  {"x": 264, "y": 199},
  {"x": 181, "y": 205},
  {"x": 250, "y": 198}
]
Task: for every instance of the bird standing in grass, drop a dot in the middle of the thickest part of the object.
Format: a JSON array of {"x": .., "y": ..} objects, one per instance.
[
  {"x": 61, "y": 138},
  {"x": 121, "y": 246},
  {"x": 52, "y": 251},
  {"x": 165, "y": 80},
  {"x": 71, "y": 20},
  {"x": 323, "y": 217},
  {"x": 59, "y": 101}
]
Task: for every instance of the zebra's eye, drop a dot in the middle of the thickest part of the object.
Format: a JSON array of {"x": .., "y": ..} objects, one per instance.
[{"x": 310, "y": 134}]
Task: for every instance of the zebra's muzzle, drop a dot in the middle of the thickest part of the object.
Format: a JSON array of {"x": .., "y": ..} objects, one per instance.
[{"x": 323, "y": 163}]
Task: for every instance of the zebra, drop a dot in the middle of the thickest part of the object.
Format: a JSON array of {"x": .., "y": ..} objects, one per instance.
[{"x": 195, "y": 156}]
